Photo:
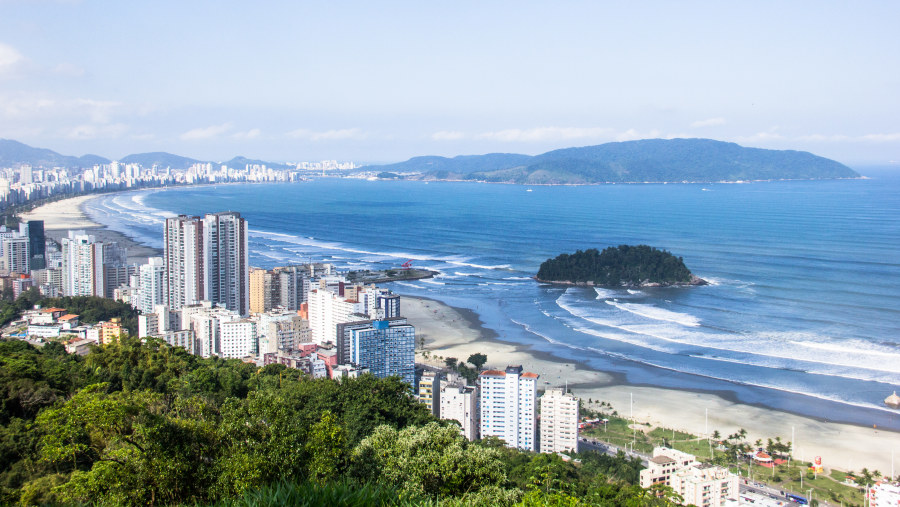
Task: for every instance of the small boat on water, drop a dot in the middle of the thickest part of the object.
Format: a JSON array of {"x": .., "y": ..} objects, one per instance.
[{"x": 893, "y": 400}]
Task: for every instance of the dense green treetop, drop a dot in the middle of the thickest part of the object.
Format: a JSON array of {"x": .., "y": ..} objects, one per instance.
[
  {"x": 617, "y": 266},
  {"x": 142, "y": 423}
]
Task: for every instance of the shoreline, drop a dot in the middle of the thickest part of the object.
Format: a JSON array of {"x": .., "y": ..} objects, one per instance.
[
  {"x": 457, "y": 332},
  {"x": 68, "y": 214}
]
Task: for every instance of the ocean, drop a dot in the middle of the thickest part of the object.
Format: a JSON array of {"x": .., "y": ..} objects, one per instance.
[{"x": 802, "y": 312}]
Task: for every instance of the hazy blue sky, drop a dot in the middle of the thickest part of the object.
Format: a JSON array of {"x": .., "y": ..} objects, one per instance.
[{"x": 384, "y": 81}]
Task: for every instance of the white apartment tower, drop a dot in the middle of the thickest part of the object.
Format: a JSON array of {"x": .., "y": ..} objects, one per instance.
[
  {"x": 86, "y": 262},
  {"x": 151, "y": 285},
  {"x": 508, "y": 406},
  {"x": 207, "y": 259},
  {"x": 184, "y": 261},
  {"x": 559, "y": 421},
  {"x": 227, "y": 260}
]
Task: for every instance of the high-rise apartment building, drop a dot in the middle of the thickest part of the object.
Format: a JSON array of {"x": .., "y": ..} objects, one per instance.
[
  {"x": 151, "y": 285},
  {"x": 559, "y": 421},
  {"x": 207, "y": 259},
  {"x": 34, "y": 229},
  {"x": 91, "y": 268},
  {"x": 184, "y": 255},
  {"x": 508, "y": 406},
  {"x": 386, "y": 348},
  {"x": 227, "y": 260}
]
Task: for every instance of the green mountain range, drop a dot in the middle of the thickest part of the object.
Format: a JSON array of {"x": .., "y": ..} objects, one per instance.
[
  {"x": 649, "y": 160},
  {"x": 14, "y": 153}
]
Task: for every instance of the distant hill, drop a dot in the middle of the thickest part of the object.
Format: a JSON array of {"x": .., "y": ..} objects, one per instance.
[
  {"x": 240, "y": 162},
  {"x": 649, "y": 160},
  {"x": 447, "y": 168},
  {"x": 161, "y": 159},
  {"x": 13, "y": 153}
]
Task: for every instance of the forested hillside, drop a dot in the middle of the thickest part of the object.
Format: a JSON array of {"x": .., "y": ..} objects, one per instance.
[{"x": 136, "y": 423}]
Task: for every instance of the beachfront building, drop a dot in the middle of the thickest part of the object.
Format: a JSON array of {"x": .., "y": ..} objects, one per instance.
[
  {"x": 706, "y": 485},
  {"x": 559, "y": 421},
  {"x": 459, "y": 402},
  {"x": 207, "y": 259},
  {"x": 884, "y": 494},
  {"x": 385, "y": 347},
  {"x": 429, "y": 391},
  {"x": 663, "y": 464},
  {"x": 700, "y": 484},
  {"x": 508, "y": 406}
]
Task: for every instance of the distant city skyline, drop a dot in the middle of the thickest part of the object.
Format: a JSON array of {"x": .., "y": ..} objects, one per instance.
[{"x": 388, "y": 81}]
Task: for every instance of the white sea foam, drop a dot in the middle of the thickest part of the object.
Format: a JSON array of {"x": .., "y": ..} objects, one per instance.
[
  {"x": 656, "y": 313},
  {"x": 604, "y": 293},
  {"x": 632, "y": 291}
]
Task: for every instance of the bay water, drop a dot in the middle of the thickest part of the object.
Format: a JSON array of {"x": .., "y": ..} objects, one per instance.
[{"x": 802, "y": 312}]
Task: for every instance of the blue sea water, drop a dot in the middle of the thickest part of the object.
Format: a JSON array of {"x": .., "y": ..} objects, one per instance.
[{"x": 802, "y": 313}]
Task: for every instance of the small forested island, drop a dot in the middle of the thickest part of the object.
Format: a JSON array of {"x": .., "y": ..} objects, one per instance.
[{"x": 621, "y": 266}]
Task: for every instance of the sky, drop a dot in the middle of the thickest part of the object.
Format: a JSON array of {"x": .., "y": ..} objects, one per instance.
[{"x": 385, "y": 81}]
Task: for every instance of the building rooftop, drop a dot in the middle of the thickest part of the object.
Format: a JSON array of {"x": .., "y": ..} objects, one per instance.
[{"x": 662, "y": 460}]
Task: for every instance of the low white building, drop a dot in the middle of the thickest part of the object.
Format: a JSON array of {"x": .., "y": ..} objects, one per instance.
[
  {"x": 460, "y": 403},
  {"x": 884, "y": 494},
  {"x": 239, "y": 339},
  {"x": 700, "y": 484}
]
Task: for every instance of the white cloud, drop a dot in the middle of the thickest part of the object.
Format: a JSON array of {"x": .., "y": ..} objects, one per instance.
[
  {"x": 820, "y": 138},
  {"x": 202, "y": 133},
  {"x": 68, "y": 70},
  {"x": 250, "y": 134},
  {"x": 547, "y": 134},
  {"x": 91, "y": 131},
  {"x": 447, "y": 135},
  {"x": 328, "y": 135},
  {"x": 709, "y": 122},
  {"x": 9, "y": 59},
  {"x": 882, "y": 138}
]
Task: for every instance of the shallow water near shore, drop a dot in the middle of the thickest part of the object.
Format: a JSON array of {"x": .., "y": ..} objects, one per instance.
[{"x": 802, "y": 313}]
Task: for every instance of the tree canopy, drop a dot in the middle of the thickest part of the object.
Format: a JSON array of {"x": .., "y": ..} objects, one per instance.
[{"x": 624, "y": 265}]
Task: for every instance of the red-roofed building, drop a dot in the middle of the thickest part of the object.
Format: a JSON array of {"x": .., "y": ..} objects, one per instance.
[{"x": 508, "y": 406}]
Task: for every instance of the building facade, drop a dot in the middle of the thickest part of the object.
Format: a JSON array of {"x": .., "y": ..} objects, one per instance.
[
  {"x": 508, "y": 406},
  {"x": 559, "y": 421}
]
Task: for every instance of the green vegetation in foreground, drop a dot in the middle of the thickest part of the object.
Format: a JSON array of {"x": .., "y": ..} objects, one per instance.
[
  {"x": 142, "y": 423},
  {"x": 624, "y": 265},
  {"x": 90, "y": 309}
]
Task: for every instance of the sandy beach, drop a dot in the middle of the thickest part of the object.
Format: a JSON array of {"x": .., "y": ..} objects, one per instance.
[
  {"x": 62, "y": 216},
  {"x": 451, "y": 332}
]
